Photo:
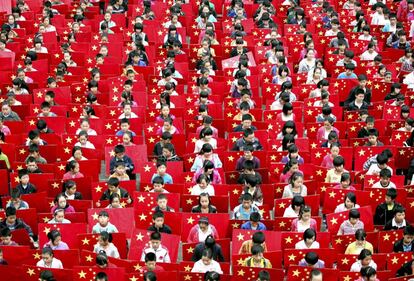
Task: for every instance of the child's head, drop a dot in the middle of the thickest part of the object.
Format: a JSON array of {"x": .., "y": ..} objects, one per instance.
[
  {"x": 309, "y": 236},
  {"x": 254, "y": 218},
  {"x": 158, "y": 184},
  {"x": 338, "y": 163},
  {"x": 115, "y": 200},
  {"x": 162, "y": 200},
  {"x": 297, "y": 202},
  {"x": 150, "y": 261},
  {"x": 11, "y": 215},
  {"x": 113, "y": 184},
  {"x": 124, "y": 124},
  {"x": 120, "y": 168},
  {"x": 104, "y": 238},
  {"x": 296, "y": 180},
  {"x": 350, "y": 200},
  {"x": 382, "y": 161},
  {"x": 373, "y": 136},
  {"x": 6, "y": 236},
  {"x": 354, "y": 216},
  {"x": 59, "y": 215},
  {"x": 158, "y": 219},
  {"x": 399, "y": 214},
  {"x": 203, "y": 181},
  {"x": 408, "y": 234},
  {"x": 370, "y": 122},
  {"x": 119, "y": 150},
  {"x": 24, "y": 176},
  {"x": 54, "y": 237},
  {"x": 168, "y": 150},
  {"x": 345, "y": 180},
  {"x": 250, "y": 181},
  {"x": 247, "y": 200},
  {"x": 15, "y": 196},
  {"x": 390, "y": 196},
  {"x": 385, "y": 176},
  {"x": 103, "y": 218},
  {"x": 305, "y": 213},
  {"x": 155, "y": 240},
  {"x": 311, "y": 258}
]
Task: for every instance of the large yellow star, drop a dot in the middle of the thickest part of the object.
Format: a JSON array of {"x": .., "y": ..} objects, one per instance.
[
  {"x": 89, "y": 258},
  {"x": 296, "y": 273},
  {"x": 190, "y": 220},
  {"x": 140, "y": 236},
  {"x": 142, "y": 217},
  {"x": 240, "y": 237},
  {"x": 240, "y": 272},
  {"x": 187, "y": 268},
  {"x": 82, "y": 274},
  {"x": 133, "y": 278},
  {"x": 288, "y": 240},
  {"x": 30, "y": 271},
  {"x": 190, "y": 250},
  {"x": 85, "y": 241}
]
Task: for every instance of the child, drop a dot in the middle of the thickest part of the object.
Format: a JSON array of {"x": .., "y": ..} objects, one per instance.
[
  {"x": 125, "y": 125},
  {"x": 381, "y": 164},
  {"x": 158, "y": 224},
  {"x": 168, "y": 153},
  {"x": 247, "y": 155},
  {"x": 120, "y": 172},
  {"x": 34, "y": 152},
  {"x": 120, "y": 156},
  {"x": 25, "y": 187},
  {"x": 166, "y": 137},
  {"x": 13, "y": 223},
  {"x": 373, "y": 138},
  {"x": 399, "y": 221},
  {"x": 103, "y": 224},
  {"x": 345, "y": 182},
  {"x": 6, "y": 237},
  {"x": 369, "y": 124},
  {"x": 254, "y": 222},
  {"x": 351, "y": 225},
  {"x": 384, "y": 182},
  {"x": 258, "y": 238},
  {"x": 155, "y": 246},
  {"x": 162, "y": 204},
  {"x": 334, "y": 174},
  {"x": 16, "y": 200},
  {"x": 162, "y": 172},
  {"x": 158, "y": 185},
  {"x": 105, "y": 244},
  {"x": 58, "y": 217},
  {"x": 113, "y": 187},
  {"x": 203, "y": 186},
  {"x": 406, "y": 243}
]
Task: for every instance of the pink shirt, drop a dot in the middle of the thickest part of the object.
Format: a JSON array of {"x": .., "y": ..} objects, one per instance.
[
  {"x": 69, "y": 176},
  {"x": 5, "y": 130}
]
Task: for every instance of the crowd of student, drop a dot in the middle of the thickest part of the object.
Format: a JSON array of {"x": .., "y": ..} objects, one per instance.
[{"x": 191, "y": 66}]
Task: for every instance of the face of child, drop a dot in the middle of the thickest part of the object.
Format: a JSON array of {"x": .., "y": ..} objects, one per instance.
[
  {"x": 294, "y": 168},
  {"x": 161, "y": 170},
  {"x": 158, "y": 187},
  {"x": 159, "y": 222},
  {"x": 349, "y": 204},
  {"x": 353, "y": 221},
  {"x": 103, "y": 220},
  {"x": 60, "y": 216},
  {"x": 339, "y": 169},
  {"x": 372, "y": 139},
  {"x": 399, "y": 217},
  {"x": 85, "y": 126},
  {"x": 120, "y": 170},
  {"x": 165, "y": 111},
  {"x": 155, "y": 244},
  {"x": 25, "y": 179},
  {"x": 116, "y": 203},
  {"x": 306, "y": 216},
  {"x": 125, "y": 127},
  {"x": 162, "y": 203},
  {"x": 408, "y": 239},
  {"x": 384, "y": 181}
]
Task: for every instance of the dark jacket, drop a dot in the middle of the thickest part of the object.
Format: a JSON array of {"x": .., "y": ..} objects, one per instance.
[
  {"x": 398, "y": 246},
  {"x": 18, "y": 224},
  {"x": 389, "y": 226},
  {"x": 30, "y": 188},
  {"x": 405, "y": 269},
  {"x": 129, "y": 166},
  {"x": 107, "y": 194},
  {"x": 217, "y": 252},
  {"x": 383, "y": 215},
  {"x": 197, "y": 209},
  {"x": 164, "y": 229}
]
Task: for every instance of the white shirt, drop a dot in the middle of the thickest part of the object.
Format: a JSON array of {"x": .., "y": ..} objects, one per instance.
[
  {"x": 111, "y": 250},
  {"x": 356, "y": 266},
  {"x": 133, "y": 115},
  {"x": 88, "y": 144},
  {"x": 341, "y": 208},
  {"x": 161, "y": 253},
  {"x": 200, "y": 267},
  {"x": 197, "y": 190},
  {"x": 368, "y": 56},
  {"x": 378, "y": 19},
  {"x": 290, "y": 213},
  {"x": 378, "y": 185},
  {"x": 55, "y": 264},
  {"x": 90, "y": 132},
  {"x": 375, "y": 170},
  {"x": 301, "y": 245},
  {"x": 199, "y": 144}
]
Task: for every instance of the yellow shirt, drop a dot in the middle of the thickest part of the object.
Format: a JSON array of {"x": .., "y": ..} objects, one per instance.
[
  {"x": 264, "y": 263},
  {"x": 246, "y": 247},
  {"x": 353, "y": 249}
]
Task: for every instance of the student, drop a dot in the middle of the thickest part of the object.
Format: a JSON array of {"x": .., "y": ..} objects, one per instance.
[
  {"x": 257, "y": 259},
  {"x": 200, "y": 231},
  {"x": 168, "y": 153},
  {"x": 105, "y": 244},
  {"x": 158, "y": 224},
  {"x": 114, "y": 201},
  {"x": 384, "y": 182},
  {"x": 352, "y": 224},
  {"x": 312, "y": 259},
  {"x": 120, "y": 156},
  {"x": 373, "y": 138},
  {"x": 155, "y": 247},
  {"x": 243, "y": 211},
  {"x": 24, "y": 186},
  {"x": 120, "y": 172},
  {"x": 124, "y": 127},
  {"x": 113, "y": 187},
  {"x": 345, "y": 183},
  {"x": 34, "y": 152},
  {"x": 295, "y": 186},
  {"x": 293, "y": 210},
  {"x": 309, "y": 240},
  {"x": 254, "y": 222},
  {"x": 162, "y": 172},
  {"x": 60, "y": 202},
  {"x": 369, "y": 124},
  {"x": 359, "y": 244},
  {"x": 16, "y": 200},
  {"x": 252, "y": 187},
  {"x": 209, "y": 243},
  {"x": 349, "y": 203},
  {"x": 399, "y": 221},
  {"x": 162, "y": 204},
  {"x": 6, "y": 237},
  {"x": 206, "y": 263},
  {"x": 364, "y": 260},
  {"x": 334, "y": 175},
  {"x": 59, "y": 217},
  {"x": 204, "y": 205},
  {"x": 103, "y": 224},
  {"x": 14, "y": 223},
  {"x": 258, "y": 238},
  {"x": 55, "y": 241},
  {"x": 72, "y": 171},
  {"x": 48, "y": 260},
  {"x": 158, "y": 185},
  {"x": 69, "y": 191},
  {"x": 405, "y": 244},
  {"x": 381, "y": 164},
  {"x": 203, "y": 186},
  {"x": 304, "y": 221},
  {"x": 166, "y": 137},
  {"x": 151, "y": 264}
]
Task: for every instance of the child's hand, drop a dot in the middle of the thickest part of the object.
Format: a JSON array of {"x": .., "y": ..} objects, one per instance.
[
  {"x": 129, "y": 201},
  {"x": 98, "y": 204}
]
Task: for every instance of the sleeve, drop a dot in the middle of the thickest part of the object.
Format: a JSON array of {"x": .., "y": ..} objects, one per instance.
[
  {"x": 286, "y": 193},
  {"x": 219, "y": 164},
  {"x": 196, "y": 164},
  {"x": 197, "y": 253},
  {"x": 341, "y": 230},
  {"x": 348, "y": 249},
  {"x": 115, "y": 252},
  {"x": 294, "y": 227},
  {"x": 378, "y": 216},
  {"x": 28, "y": 229},
  {"x": 215, "y": 233},
  {"x": 167, "y": 257},
  {"x": 191, "y": 235},
  {"x": 143, "y": 255},
  {"x": 220, "y": 256},
  {"x": 112, "y": 165}
]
